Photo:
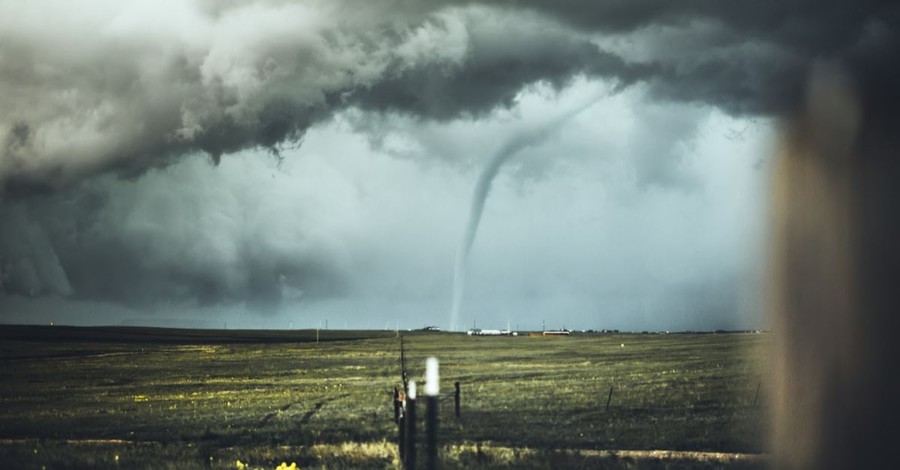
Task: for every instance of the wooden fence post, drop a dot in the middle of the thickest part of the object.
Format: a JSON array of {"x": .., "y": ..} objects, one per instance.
[
  {"x": 432, "y": 391},
  {"x": 457, "y": 397},
  {"x": 410, "y": 461}
]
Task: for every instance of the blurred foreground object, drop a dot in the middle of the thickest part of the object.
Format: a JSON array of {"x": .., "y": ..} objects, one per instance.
[{"x": 835, "y": 256}]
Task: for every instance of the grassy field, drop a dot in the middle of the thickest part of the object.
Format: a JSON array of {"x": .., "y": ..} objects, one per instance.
[{"x": 145, "y": 398}]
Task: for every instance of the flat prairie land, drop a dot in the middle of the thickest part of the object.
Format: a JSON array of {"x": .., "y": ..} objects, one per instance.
[{"x": 157, "y": 398}]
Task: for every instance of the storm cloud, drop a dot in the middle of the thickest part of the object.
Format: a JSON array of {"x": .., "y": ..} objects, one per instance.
[
  {"x": 109, "y": 109},
  {"x": 111, "y": 86}
]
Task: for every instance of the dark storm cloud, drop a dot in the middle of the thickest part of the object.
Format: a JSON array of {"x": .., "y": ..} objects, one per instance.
[
  {"x": 112, "y": 89},
  {"x": 94, "y": 88},
  {"x": 113, "y": 93},
  {"x": 808, "y": 26},
  {"x": 793, "y": 32},
  {"x": 504, "y": 53}
]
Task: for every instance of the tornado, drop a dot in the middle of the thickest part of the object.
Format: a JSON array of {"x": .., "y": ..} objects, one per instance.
[{"x": 523, "y": 138}]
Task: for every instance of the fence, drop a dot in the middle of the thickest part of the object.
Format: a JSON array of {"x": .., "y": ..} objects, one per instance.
[
  {"x": 405, "y": 410},
  {"x": 405, "y": 415}
]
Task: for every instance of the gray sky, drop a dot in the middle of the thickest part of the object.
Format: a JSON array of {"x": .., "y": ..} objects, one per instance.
[{"x": 195, "y": 163}]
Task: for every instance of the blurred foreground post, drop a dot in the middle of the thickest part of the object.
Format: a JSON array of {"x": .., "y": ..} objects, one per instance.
[
  {"x": 835, "y": 263},
  {"x": 432, "y": 390}
]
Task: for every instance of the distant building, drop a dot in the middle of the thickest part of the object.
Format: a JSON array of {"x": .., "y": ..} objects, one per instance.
[
  {"x": 556, "y": 333},
  {"x": 480, "y": 332},
  {"x": 431, "y": 328}
]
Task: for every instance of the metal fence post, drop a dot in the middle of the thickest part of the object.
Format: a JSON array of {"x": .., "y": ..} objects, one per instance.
[
  {"x": 432, "y": 390},
  {"x": 410, "y": 461}
]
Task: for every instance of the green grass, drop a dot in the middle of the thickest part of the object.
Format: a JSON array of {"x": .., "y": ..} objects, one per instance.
[{"x": 525, "y": 401}]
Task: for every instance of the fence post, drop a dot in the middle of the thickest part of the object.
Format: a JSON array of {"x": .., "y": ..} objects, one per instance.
[
  {"x": 432, "y": 390},
  {"x": 609, "y": 398},
  {"x": 401, "y": 435},
  {"x": 401, "y": 425},
  {"x": 396, "y": 404},
  {"x": 410, "y": 461},
  {"x": 403, "y": 364},
  {"x": 456, "y": 396}
]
